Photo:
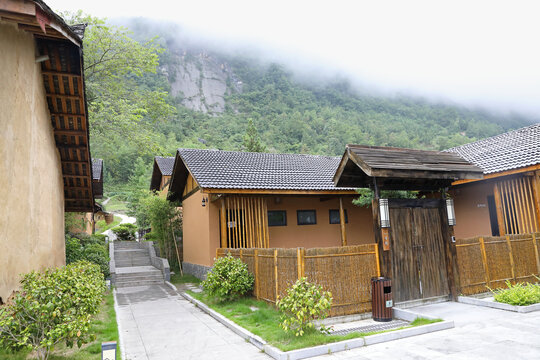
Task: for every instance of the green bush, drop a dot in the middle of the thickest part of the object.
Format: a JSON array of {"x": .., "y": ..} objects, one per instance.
[
  {"x": 518, "y": 294},
  {"x": 52, "y": 307},
  {"x": 303, "y": 303},
  {"x": 228, "y": 279},
  {"x": 90, "y": 248},
  {"x": 125, "y": 232}
]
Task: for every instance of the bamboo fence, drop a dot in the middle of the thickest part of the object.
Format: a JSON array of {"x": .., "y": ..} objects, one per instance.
[
  {"x": 491, "y": 261},
  {"x": 345, "y": 271}
]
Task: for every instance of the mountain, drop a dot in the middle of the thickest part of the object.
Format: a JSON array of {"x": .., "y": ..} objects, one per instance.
[{"x": 216, "y": 93}]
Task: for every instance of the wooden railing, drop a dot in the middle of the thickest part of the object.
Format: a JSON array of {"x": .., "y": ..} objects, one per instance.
[
  {"x": 491, "y": 261},
  {"x": 345, "y": 271}
]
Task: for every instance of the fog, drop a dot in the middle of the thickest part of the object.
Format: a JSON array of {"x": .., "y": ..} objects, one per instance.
[{"x": 481, "y": 53}]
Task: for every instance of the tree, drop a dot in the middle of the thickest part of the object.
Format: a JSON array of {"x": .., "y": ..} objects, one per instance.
[
  {"x": 252, "y": 140},
  {"x": 124, "y": 101}
]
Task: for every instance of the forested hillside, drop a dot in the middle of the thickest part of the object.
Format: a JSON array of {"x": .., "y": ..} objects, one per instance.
[{"x": 207, "y": 98}]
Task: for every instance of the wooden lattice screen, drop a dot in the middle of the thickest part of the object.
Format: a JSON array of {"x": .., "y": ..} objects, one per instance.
[
  {"x": 244, "y": 222},
  {"x": 491, "y": 261},
  {"x": 516, "y": 208},
  {"x": 345, "y": 271}
]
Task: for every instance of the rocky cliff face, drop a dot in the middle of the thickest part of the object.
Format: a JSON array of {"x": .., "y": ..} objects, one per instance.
[{"x": 201, "y": 81}]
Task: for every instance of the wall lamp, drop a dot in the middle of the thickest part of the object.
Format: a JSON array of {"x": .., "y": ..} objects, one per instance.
[
  {"x": 384, "y": 213},
  {"x": 204, "y": 201},
  {"x": 450, "y": 212}
]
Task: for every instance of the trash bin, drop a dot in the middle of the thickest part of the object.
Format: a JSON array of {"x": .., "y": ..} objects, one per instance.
[{"x": 381, "y": 299}]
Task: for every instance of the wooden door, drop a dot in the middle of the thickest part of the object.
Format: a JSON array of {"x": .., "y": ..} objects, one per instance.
[{"x": 417, "y": 249}]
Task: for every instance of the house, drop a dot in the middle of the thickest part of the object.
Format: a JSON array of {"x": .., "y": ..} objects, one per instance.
[
  {"x": 507, "y": 199},
  {"x": 161, "y": 173},
  {"x": 45, "y": 157},
  {"x": 239, "y": 199}
]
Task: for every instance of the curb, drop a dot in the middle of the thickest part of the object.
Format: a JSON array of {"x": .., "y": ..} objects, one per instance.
[
  {"x": 172, "y": 286},
  {"x": 120, "y": 340},
  {"x": 326, "y": 348},
  {"x": 497, "y": 305}
]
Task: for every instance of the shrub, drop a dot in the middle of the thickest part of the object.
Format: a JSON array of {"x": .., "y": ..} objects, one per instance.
[
  {"x": 90, "y": 248},
  {"x": 125, "y": 232},
  {"x": 518, "y": 294},
  {"x": 52, "y": 307},
  {"x": 303, "y": 303},
  {"x": 228, "y": 279}
]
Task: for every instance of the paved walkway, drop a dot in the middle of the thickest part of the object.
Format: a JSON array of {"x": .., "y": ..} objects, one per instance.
[
  {"x": 156, "y": 323},
  {"x": 480, "y": 333}
]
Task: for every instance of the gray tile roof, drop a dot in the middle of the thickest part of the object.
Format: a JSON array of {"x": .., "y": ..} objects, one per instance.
[
  {"x": 97, "y": 165},
  {"x": 165, "y": 165},
  {"x": 511, "y": 150},
  {"x": 244, "y": 170}
]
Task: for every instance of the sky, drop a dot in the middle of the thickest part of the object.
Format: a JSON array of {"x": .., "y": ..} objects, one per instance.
[{"x": 475, "y": 53}]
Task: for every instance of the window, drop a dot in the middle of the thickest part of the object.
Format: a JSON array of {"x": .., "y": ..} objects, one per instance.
[
  {"x": 334, "y": 216},
  {"x": 306, "y": 217},
  {"x": 277, "y": 218}
]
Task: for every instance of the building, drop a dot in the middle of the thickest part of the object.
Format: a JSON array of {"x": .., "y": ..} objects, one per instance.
[
  {"x": 239, "y": 199},
  {"x": 45, "y": 157},
  {"x": 161, "y": 173},
  {"x": 507, "y": 199}
]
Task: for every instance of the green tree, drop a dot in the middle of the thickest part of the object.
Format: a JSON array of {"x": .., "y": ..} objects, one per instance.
[{"x": 252, "y": 140}]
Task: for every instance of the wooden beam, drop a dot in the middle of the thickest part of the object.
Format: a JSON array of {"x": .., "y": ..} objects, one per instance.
[
  {"x": 70, "y": 132},
  {"x": 66, "y": 114},
  {"x": 60, "y": 73},
  {"x": 342, "y": 223},
  {"x": 277, "y": 191},
  {"x": 75, "y": 176},
  {"x": 223, "y": 223},
  {"x": 499, "y": 208},
  {"x": 536, "y": 196},
  {"x": 499, "y": 174}
]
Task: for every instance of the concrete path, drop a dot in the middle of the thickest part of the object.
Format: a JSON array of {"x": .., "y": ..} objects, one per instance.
[
  {"x": 156, "y": 323},
  {"x": 480, "y": 333}
]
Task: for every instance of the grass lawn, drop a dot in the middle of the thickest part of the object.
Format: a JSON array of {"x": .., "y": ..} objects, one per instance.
[
  {"x": 116, "y": 205},
  {"x": 104, "y": 326},
  {"x": 177, "y": 279},
  {"x": 264, "y": 322},
  {"x": 102, "y": 226}
]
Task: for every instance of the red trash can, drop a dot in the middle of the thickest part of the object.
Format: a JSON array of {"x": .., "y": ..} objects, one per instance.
[{"x": 381, "y": 299}]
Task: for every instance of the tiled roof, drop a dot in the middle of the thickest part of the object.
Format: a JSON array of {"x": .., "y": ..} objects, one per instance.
[
  {"x": 511, "y": 150},
  {"x": 97, "y": 165},
  {"x": 165, "y": 164},
  {"x": 244, "y": 170}
]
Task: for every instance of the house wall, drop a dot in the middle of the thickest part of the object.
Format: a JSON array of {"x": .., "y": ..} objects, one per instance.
[
  {"x": 323, "y": 234},
  {"x": 471, "y": 208},
  {"x": 31, "y": 187},
  {"x": 164, "y": 185},
  {"x": 202, "y": 229}
]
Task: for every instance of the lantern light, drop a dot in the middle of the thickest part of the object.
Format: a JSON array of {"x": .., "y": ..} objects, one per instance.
[
  {"x": 384, "y": 213},
  {"x": 450, "y": 212}
]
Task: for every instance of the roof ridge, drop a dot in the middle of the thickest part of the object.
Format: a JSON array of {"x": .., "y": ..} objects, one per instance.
[{"x": 253, "y": 152}]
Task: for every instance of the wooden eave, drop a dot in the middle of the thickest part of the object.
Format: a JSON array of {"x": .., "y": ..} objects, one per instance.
[
  {"x": 155, "y": 182},
  {"x": 277, "y": 191},
  {"x": 64, "y": 87},
  {"x": 401, "y": 169},
  {"x": 499, "y": 174}
]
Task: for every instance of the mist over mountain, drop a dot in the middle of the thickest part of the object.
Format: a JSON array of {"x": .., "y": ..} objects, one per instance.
[{"x": 217, "y": 90}]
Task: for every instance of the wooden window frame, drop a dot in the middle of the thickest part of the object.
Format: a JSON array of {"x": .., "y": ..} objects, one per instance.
[
  {"x": 298, "y": 212},
  {"x": 337, "y": 212},
  {"x": 277, "y": 211}
]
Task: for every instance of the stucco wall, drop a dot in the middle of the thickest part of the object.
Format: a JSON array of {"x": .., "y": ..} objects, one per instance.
[
  {"x": 202, "y": 233},
  {"x": 31, "y": 188},
  {"x": 323, "y": 234},
  {"x": 471, "y": 208}
]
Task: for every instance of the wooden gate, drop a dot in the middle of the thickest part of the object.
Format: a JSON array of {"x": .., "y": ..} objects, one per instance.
[{"x": 417, "y": 248}]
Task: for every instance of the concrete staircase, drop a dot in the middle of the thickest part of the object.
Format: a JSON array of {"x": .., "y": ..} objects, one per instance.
[{"x": 133, "y": 265}]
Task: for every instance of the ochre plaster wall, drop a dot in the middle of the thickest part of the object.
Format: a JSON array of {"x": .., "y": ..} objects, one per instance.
[
  {"x": 202, "y": 231},
  {"x": 31, "y": 188},
  {"x": 323, "y": 234},
  {"x": 471, "y": 208}
]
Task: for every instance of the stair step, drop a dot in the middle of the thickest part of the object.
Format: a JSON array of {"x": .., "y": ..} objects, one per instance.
[{"x": 120, "y": 284}]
